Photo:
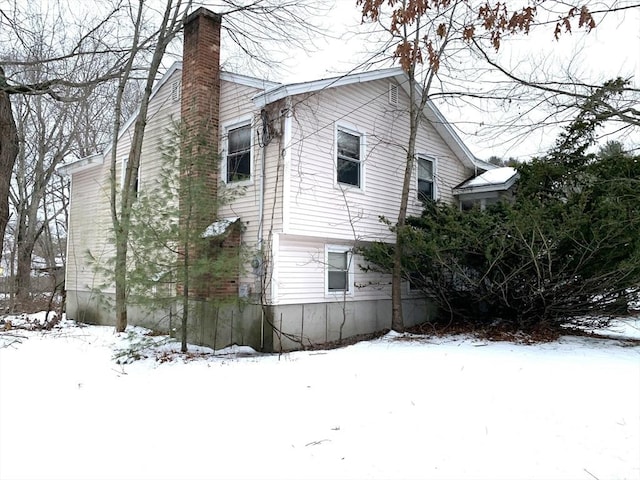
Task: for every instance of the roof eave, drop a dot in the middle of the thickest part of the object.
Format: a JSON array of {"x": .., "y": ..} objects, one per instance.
[
  {"x": 292, "y": 89},
  {"x": 81, "y": 164},
  {"x": 494, "y": 187}
]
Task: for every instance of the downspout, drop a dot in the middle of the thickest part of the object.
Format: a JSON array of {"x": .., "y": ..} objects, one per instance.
[
  {"x": 257, "y": 263},
  {"x": 264, "y": 140}
]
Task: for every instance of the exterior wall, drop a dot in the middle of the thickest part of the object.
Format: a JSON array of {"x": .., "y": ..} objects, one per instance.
[
  {"x": 304, "y": 210},
  {"x": 237, "y": 106},
  {"x": 322, "y": 212},
  {"x": 90, "y": 223},
  {"x": 321, "y": 207}
]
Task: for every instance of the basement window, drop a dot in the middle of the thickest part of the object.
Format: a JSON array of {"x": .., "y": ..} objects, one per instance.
[
  {"x": 339, "y": 270},
  {"x": 238, "y": 154}
]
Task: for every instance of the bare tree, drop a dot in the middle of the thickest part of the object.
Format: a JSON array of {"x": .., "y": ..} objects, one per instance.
[
  {"x": 8, "y": 154},
  {"x": 427, "y": 37},
  {"x": 48, "y": 54}
]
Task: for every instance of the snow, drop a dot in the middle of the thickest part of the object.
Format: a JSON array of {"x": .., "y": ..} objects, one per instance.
[
  {"x": 219, "y": 227},
  {"x": 402, "y": 406},
  {"x": 494, "y": 176}
]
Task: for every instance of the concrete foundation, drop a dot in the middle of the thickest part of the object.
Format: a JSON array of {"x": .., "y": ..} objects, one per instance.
[{"x": 280, "y": 328}]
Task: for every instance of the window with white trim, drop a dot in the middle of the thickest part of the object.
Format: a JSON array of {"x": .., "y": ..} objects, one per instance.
[
  {"x": 238, "y": 161},
  {"x": 349, "y": 161},
  {"x": 426, "y": 184},
  {"x": 339, "y": 270}
]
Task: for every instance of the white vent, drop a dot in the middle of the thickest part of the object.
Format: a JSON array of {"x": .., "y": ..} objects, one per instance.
[
  {"x": 176, "y": 90},
  {"x": 393, "y": 94}
]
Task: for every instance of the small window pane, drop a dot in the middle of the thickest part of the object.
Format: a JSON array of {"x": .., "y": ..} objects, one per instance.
[
  {"x": 240, "y": 139},
  {"x": 337, "y": 260},
  {"x": 338, "y": 272},
  {"x": 348, "y": 172},
  {"x": 337, "y": 281},
  {"x": 425, "y": 190},
  {"x": 425, "y": 179},
  {"x": 348, "y": 145},
  {"x": 425, "y": 169},
  {"x": 348, "y": 163},
  {"x": 239, "y": 154}
]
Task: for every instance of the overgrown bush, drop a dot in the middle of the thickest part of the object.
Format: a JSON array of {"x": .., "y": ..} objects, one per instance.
[{"x": 567, "y": 250}]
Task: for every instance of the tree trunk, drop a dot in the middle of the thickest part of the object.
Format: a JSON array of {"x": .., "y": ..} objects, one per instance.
[
  {"x": 120, "y": 281},
  {"x": 8, "y": 154},
  {"x": 23, "y": 273}
]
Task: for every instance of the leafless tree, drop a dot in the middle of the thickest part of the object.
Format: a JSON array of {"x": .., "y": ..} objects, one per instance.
[{"x": 432, "y": 39}]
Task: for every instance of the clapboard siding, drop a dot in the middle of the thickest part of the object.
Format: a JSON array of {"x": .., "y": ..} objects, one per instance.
[
  {"x": 90, "y": 216},
  {"x": 321, "y": 208},
  {"x": 88, "y": 219},
  {"x": 236, "y": 103},
  {"x": 300, "y": 276}
]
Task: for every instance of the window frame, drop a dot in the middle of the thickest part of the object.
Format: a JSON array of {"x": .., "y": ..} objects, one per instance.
[
  {"x": 434, "y": 162},
  {"x": 224, "y": 167},
  {"x": 343, "y": 249},
  {"x": 354, "y": 131}
]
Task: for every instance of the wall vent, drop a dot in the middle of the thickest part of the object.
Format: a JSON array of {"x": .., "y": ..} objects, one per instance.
[
  {"x": 176, "y": 90},
  {"x": 393, "y": 94}
]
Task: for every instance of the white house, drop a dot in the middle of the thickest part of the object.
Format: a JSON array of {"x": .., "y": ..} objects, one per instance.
[{"x": 319, "y": 163}]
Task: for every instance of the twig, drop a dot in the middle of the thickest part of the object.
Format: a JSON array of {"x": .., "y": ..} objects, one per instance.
[
  {"x": 591, "y": 474},
  {"x": 317, "y": 442}
]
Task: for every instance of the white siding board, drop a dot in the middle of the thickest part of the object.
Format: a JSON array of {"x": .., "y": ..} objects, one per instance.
[
  {"x": 301, "y": 274},
  {"x": 318, "y": 206},
  {"x": 90, "y": 215}
]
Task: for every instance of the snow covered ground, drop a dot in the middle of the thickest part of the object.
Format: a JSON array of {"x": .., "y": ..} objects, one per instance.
[{"x": 398, "y": 407}]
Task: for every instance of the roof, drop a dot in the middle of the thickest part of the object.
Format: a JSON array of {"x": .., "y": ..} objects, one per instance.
[
  {"x": 80, "y": 164},
  {"x": 431, "y": 112},
  {"x": 501, "y": 178},
  {"x": 274, "y": 91}
]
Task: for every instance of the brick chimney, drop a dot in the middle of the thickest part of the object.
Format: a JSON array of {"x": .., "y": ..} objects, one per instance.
[
  {"x": 200, "y": 109},
  {"x": 200, "y": 104}
]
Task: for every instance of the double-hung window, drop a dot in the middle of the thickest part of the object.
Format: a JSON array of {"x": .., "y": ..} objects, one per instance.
[
  {"x": 426, "y": 186},
  {"x": 238, "y": 161},
  {"x": 339, "y": 270},
  {"x": 349, "y": 161}
]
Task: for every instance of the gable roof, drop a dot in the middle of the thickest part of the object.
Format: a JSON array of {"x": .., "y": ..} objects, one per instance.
[
  {"x": 431, "y": 112},
  {"x": 501, "y": 178},
  {"x": 79, "y": 164}
]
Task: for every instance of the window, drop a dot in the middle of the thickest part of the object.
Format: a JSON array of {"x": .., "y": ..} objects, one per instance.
[
  {"x": 349, "y": 160},
  {"x": 426, "y": 189},
  {"x": 239, "y": 154},
  {"x": 339, "y": 269}
]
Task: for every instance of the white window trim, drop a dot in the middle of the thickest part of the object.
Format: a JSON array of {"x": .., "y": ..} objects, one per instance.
[
  {"x": 231, "y": 125},
  {"x": 434, "y": 161},
  {"x": 353, "y": 130},
  {"x": 350, "y": 271}
]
